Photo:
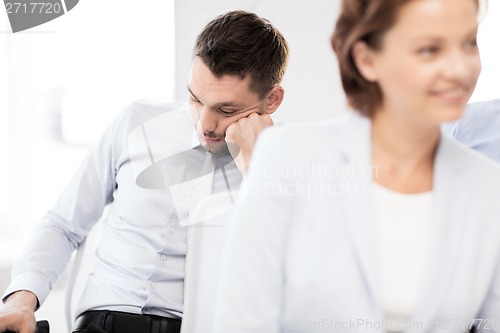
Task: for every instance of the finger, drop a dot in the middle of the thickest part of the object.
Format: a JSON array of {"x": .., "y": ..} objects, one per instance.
[
  {"x": 28, "y": 327},
  {"x": 254, "y": 115},
  {"x": 230, "y": 130}
]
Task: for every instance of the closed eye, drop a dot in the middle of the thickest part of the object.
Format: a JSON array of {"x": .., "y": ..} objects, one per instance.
[
  {"x": 192, "y": 99},
  {"x": 227, "y": 112}
]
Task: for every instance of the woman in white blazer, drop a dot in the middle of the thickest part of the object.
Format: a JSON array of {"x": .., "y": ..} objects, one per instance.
[{"x": 375, "y": 222}]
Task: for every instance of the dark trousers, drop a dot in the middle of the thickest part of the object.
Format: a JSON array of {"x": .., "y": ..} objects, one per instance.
[{"x": 122, "y": 322}]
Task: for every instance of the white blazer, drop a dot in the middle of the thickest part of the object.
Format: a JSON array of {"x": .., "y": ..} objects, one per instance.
[{"x": 301, "y": 254}]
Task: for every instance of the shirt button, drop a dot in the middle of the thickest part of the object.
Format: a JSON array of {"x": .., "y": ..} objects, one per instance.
[
  {"x": 172, "y": 230},
  {"x": 189, "y": 193},
  {"x": 152, "y": 285},
  {"x": 163, "y": 257}
]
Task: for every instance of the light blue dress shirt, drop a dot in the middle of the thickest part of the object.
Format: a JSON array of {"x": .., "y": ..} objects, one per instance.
[
  {"x": 139, "y": 266},
  {"x": 479, "y": 128}
]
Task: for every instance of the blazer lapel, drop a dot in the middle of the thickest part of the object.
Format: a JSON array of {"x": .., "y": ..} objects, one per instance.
[
  {"x": 359, "y": 220},
  {"x": 447, "y": 231}
]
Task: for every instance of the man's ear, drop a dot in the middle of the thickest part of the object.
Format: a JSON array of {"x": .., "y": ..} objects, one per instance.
[
  {"x": 364, "y": 59},
  {"x": 274, "y": 99}
]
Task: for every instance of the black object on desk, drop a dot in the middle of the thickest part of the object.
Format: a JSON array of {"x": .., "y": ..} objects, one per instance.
[{"x": 42, "y": 326}]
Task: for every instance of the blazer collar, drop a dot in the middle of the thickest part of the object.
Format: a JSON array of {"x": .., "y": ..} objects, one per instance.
[{"x": 447, "y": 228}]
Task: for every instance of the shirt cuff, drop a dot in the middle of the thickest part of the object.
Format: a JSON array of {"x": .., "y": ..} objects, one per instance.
[{"x": 36, "y": 283}]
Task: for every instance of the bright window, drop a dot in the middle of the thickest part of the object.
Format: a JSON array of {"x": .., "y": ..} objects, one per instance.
[
  {"x": 66, "y": 80},
  {"x": 489, "y": 80}
]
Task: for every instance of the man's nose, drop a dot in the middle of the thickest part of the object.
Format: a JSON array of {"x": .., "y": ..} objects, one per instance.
[{"x": 208, "y": 119}]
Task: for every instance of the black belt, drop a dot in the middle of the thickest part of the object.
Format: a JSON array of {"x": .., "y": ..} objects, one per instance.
[{"x": 122, "y": 322}]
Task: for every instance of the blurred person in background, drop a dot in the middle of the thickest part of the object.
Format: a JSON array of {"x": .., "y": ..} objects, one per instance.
[{"x": 479, "y": 128}]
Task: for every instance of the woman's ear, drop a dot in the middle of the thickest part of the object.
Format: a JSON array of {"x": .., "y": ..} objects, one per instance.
[
  {"x": 274, "y": 99},
  {"x": 364, "y": 59}
]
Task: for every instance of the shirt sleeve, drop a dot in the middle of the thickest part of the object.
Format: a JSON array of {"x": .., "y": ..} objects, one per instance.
[
  {"x": 77, "y": 209},
  {"x": 252, "y": 277},
  {"x": 479, "y": 128}
]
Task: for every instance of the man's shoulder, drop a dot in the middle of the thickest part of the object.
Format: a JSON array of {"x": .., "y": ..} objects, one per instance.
[
  {"x": 479, "y": 128},
  {"x": 141, "y": 112},
  {"x": 144, "y": 110},
  {"x": 482, "y": 109},
  {"x": 480, "y": 118}
]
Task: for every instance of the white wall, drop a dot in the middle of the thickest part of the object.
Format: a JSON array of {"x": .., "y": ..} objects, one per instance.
[
  {"x": 488, "y": 86},
  {"x": 61, "y": 83}
]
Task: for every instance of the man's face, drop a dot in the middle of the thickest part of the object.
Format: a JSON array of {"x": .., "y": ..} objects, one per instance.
[{"x": 216, "y": 103}]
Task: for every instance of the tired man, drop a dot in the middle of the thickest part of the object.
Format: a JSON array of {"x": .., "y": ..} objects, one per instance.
[{"x": 151, "y": 169}]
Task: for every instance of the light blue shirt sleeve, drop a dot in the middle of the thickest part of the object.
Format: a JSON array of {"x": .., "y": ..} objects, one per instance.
[
  {"x": 479, "y": 128},
  {"x": 63, "y": 228}
]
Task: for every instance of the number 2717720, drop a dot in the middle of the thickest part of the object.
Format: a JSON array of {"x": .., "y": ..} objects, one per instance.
[{"x": 33, "y": 8}]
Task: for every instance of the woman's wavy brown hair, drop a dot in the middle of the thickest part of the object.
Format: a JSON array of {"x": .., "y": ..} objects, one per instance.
[{"x": 362, "y": 20}]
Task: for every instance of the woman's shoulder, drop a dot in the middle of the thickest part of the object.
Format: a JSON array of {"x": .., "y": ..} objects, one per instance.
[
  {"x": 470, "y": 164},
  {"x": 316, "y": 133}
]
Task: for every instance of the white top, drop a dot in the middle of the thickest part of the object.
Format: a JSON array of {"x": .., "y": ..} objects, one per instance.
[{"x": 403, "y": 223}]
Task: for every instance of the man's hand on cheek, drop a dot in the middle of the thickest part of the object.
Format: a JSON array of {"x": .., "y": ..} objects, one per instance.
[{"x": 243, "y": 133}]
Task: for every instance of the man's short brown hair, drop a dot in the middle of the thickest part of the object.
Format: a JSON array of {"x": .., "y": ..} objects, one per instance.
[{"x": 242, "y": 43}]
